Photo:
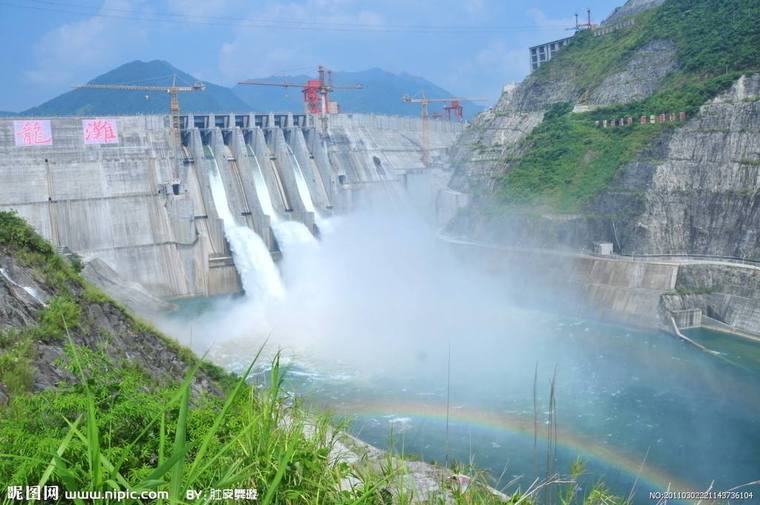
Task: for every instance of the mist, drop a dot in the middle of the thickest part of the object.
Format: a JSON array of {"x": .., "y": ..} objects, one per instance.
[
  {"x": 394, "y": 319},
  {"x": 379, "y": 292}
]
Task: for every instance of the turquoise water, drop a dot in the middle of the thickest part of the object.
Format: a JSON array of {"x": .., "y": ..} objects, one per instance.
[
  {"x": 632, "y": 404},
  {"x": 624, "y": 397}
]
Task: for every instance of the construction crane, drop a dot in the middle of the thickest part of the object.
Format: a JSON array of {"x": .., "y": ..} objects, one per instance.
[
  {"x": 316, "y": 92},
  {"x": 452, "y": 105},
  {"x": 173, "y": 90},
  {"x": 582, "y": 26}
]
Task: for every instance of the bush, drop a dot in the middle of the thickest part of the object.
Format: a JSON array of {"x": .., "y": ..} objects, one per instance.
[
  {"x": 568, "y": 160},
  {"x": 62, "y": 312}
]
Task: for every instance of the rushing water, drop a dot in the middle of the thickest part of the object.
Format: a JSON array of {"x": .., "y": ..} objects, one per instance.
[
  {"x": 260, "y": 186},
  {"x": 623, "y": 397},
  {"x": 257, "y": 270},
  {"x": 288, "y": 233},
  {"x": 373, "y": 309},
  {"x": 303, "y": 188}
]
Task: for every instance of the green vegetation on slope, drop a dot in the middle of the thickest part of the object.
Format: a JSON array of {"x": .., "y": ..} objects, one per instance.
[
  {"x": 568, "y": 159},
  {"x": 115, "y": 428}
]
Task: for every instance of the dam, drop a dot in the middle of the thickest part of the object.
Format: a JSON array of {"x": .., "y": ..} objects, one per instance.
[{"x": 149, "y": 209}]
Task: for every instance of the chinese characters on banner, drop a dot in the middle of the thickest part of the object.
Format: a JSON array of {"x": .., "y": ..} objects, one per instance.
[
  {"x": 100, "y": 131},
  {"x": 33, "y": 132}
]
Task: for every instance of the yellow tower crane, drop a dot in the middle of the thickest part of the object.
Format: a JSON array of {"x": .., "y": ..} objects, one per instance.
[
  {"x": 173, "y": 90},
  {"x": 454, "y": 103},
  {"x": 173, "y": 102}
]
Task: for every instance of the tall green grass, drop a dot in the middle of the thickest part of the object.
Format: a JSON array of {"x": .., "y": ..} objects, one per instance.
[{"x": 115, "y": 431}]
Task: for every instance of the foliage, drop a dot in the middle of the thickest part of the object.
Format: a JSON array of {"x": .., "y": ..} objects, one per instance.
[
  {"x": 568, "y": 160},
  {"x": 61, "y": 313},
  {"x": 115, "y": 429},
  {"x": 20, "y": 239},
  {"x": 17, "y": 350}
]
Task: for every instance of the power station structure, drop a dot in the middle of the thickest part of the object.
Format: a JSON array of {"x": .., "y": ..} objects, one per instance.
[
  {"x": 172, "y": 90},
  {"x": 316, "y": 92},
  {"x": 453, "y": 104},
  {"x": 542, "y": 53}
]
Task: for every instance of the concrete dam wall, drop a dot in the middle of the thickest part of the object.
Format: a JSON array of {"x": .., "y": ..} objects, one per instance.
[{"x": 134, "y": 199}]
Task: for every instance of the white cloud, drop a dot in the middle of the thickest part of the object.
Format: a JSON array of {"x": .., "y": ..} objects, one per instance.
[
  {"x": 491, "y": 67},
  {"x": 258, "y": 52},
  {"x": 549, "y": 24},
  {"x": 202, "y": 8},
  {"x": 62, "y": 53}
]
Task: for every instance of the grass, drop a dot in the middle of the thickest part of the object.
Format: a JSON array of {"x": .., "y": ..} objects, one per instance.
[
  {"x": 568, "y": 160},
  {"x": 116, "y": 429}
]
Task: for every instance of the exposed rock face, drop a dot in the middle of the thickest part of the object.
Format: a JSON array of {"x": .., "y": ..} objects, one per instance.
[
  {"x": 132, "y": 294},
  {"x": 483, "y": 153},
  {"x": 17, "y": 307},
  {"x": 641, "y": 77},
  {"x": 104, "y": 327},
  {"x": 630, "y": 8},
  {"x": 696, "y": 191},
  {"x": 480, "y": 155},
  {"x": 729, "y": 294}
]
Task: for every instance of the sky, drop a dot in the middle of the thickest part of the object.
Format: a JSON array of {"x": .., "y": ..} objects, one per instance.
[{"x": 469, "y": 47}]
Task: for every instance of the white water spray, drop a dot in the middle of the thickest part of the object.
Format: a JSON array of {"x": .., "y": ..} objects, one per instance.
[
  {"x": 288, "y": 233},
  {"x": 259, "y": 274},
  {"x": 303, "y": 188},
  {"x": 261, "y": 187}
]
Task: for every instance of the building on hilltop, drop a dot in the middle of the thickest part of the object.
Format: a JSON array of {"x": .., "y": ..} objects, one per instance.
[{"x": 542, "y": 53}]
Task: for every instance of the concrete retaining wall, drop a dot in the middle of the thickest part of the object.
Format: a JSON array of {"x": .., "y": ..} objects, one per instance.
[
  {"x": 622, "y": 290},
  {"x": 729, "y": 294},
  {"x": 115, "y": 201}
]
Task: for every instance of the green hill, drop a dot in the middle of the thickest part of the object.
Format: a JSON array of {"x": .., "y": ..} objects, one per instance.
[
  {"x": 567, "y": 160},
  {"x": 99, "y": 101},
  {"x": 381, "y": 94}
]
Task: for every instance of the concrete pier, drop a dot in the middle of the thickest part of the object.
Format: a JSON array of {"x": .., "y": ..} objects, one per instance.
[{"x": 143, "y": 205}]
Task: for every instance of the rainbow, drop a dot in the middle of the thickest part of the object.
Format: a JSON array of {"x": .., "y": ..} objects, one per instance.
[{"x": 584, "y": 447}]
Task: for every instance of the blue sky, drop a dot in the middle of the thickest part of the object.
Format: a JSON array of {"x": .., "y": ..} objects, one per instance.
[{"x": 469, "y": 47}]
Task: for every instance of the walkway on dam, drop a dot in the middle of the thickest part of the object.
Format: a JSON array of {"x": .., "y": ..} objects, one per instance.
[{"x": 659, "y": 259}]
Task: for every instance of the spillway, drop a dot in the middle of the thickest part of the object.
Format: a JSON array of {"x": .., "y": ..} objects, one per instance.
[
  {"x": 144, "y": 206},
  {"x": 260, "y": 185},
  {"x": 303, "y": 187},
  {"x": 288, "y": 232},
  {"x": 258, "y": 273}
]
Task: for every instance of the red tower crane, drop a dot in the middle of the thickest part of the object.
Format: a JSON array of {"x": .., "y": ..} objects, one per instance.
[
  {"x": 453, "y": 104},
  {"x": 316, "y": 92}
]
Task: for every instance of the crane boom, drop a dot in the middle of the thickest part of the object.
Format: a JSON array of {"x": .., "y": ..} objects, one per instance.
[
  {"x": 454, "y": 104},
  {"x": 315, "y": 91},
  {"x": 173, "y": 89},
  {"x": 409, "y": 99},
  {"x": 133, "y": 87},
  {"x": 277, "y": 84}
]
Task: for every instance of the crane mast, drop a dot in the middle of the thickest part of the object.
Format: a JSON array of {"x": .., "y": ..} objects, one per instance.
[
  {"x": 316, "y": 92},
  {"x": 174, "y": 109},
  {"x": 453, "y": 104}
]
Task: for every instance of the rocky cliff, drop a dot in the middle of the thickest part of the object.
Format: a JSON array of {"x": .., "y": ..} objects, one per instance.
[
  {"x": 696, "y": 190},
  {"x": 43, "y": 303},
  {"x": 687, "y": 188},
  {"x": 543, "y": 171}
]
